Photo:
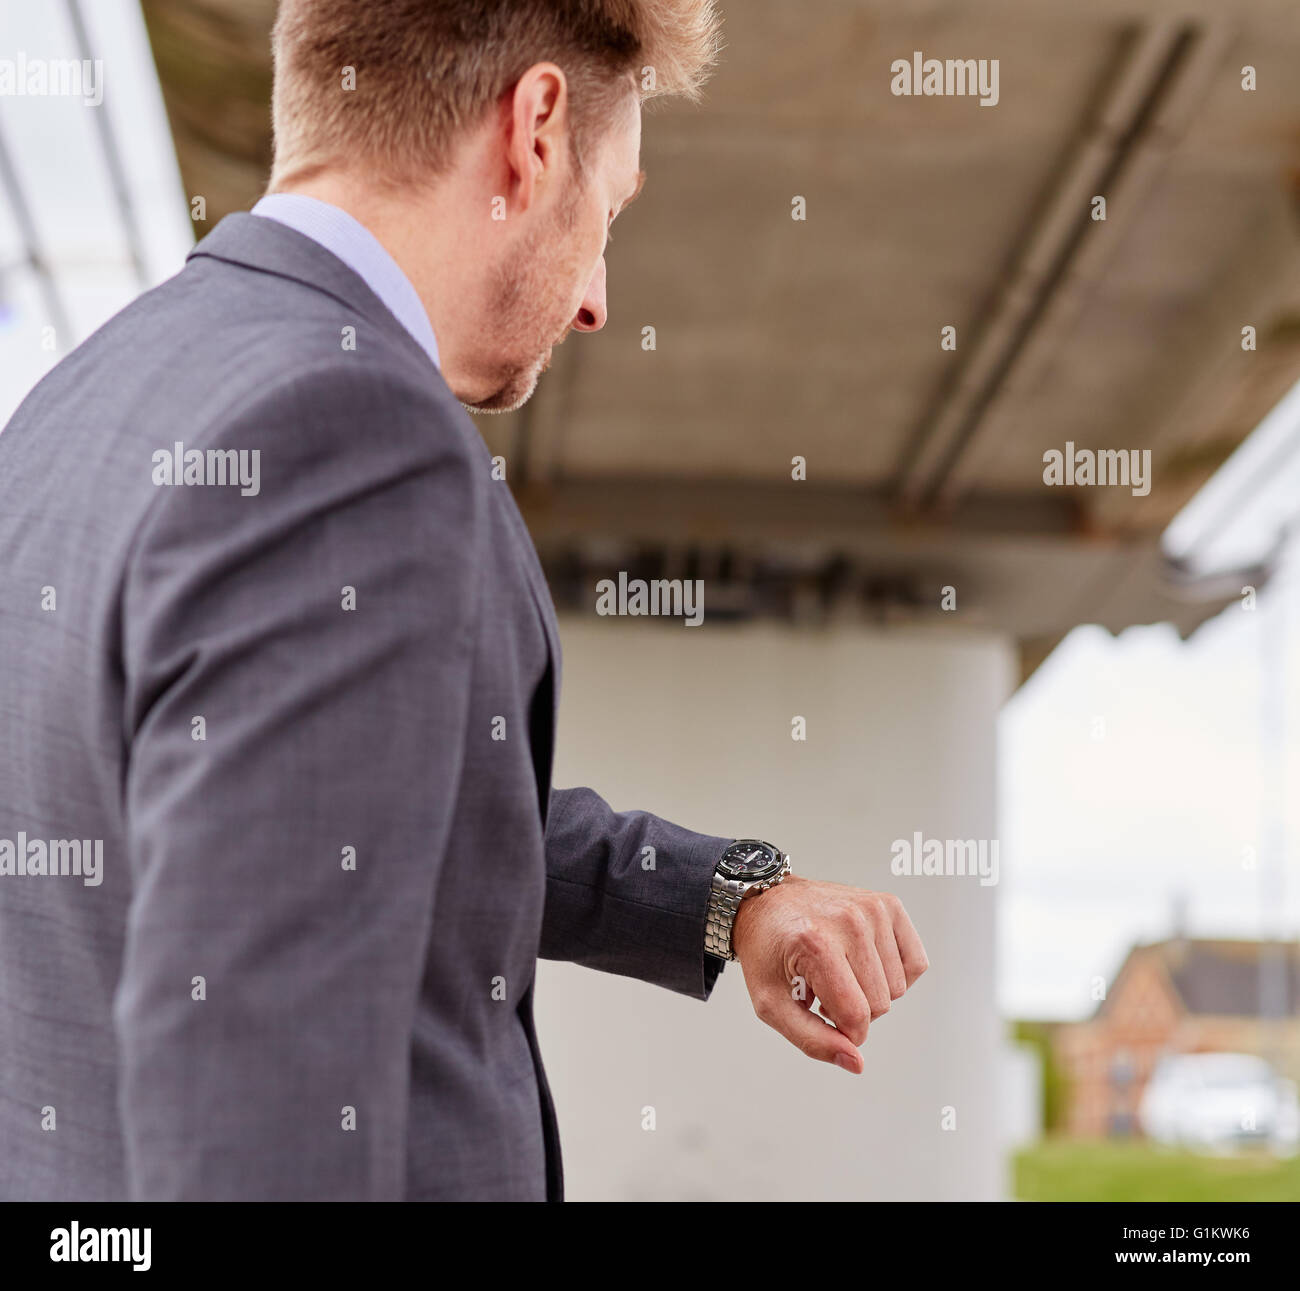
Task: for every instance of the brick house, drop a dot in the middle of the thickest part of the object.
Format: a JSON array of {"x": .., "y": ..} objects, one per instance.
[{"x": 1178, "y": 996}]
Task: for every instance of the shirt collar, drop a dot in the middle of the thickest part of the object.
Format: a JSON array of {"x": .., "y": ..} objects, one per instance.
[{"x": 361, "y": 251}]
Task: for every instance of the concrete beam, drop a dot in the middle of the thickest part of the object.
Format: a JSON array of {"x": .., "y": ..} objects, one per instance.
[{"x": 1143, "y": 73}]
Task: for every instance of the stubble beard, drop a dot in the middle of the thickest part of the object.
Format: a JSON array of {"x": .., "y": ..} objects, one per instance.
[{"x": 517, "y": 299}]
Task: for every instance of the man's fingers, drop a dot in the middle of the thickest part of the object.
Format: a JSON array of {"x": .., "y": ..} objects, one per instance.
[
  {"x": 891, "y": 960},
  {"x": 873, "y": 950},
  {"x": 910, "y": 949},
  {"x": 844, "y": 1002},
  {"x": 855, "y": 952},
  {"x": 807, "y": 1032},
  {"x": 866, "y": 962}
]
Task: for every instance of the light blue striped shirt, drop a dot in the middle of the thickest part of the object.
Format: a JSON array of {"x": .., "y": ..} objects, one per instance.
[{"x": 361, "y": 251}]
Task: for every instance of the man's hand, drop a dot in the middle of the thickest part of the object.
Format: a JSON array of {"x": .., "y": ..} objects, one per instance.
[{"x": 855, "y": 951}]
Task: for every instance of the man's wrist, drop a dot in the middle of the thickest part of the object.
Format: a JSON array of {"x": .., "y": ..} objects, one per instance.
[{"x": 747, "y": 868}]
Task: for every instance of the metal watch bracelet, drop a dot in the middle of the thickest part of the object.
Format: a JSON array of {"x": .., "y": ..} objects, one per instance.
[{"x": 725, "y": 897}]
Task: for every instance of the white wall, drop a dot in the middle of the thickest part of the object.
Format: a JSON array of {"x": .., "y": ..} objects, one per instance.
[
  {"x": 694, "y": 724},
  {"x": 1022, "y": 1097}
]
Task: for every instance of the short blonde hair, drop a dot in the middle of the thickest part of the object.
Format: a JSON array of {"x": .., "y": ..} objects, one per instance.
[{"x": 422, "y": 71}]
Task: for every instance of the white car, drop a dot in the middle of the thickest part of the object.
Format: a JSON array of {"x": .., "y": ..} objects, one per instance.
[{"x": 1217, "y": 1101}]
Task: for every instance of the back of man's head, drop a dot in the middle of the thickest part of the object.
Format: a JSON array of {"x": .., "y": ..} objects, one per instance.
[{"x": 391, "y": 84}]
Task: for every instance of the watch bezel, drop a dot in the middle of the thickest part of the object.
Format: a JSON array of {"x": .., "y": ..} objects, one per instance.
[{"x": 767, "y": 871}]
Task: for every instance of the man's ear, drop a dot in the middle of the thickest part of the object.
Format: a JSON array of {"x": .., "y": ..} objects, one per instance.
[{"x": 538, "y": 126}]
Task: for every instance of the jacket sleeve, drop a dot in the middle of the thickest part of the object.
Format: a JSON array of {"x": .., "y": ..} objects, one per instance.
[
  {"x": 627, "y": 892},
  {"x": 297, "y": 666}
]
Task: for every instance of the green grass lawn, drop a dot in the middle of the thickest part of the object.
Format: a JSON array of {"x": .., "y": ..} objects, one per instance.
[{"x": 1061, "y": 1170}]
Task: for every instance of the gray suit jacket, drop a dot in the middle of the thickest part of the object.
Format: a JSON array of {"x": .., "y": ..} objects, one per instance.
[{"x": 309, "y": 727}]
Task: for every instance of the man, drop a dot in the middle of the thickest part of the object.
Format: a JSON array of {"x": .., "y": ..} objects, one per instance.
[{"x": 281, "y": 669}]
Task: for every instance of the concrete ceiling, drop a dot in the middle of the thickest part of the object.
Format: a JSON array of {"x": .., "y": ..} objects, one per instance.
[{"x": 820, "y": 338}]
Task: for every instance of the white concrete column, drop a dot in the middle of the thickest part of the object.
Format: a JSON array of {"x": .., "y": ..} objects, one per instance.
[{"x": 694, "y": 724}]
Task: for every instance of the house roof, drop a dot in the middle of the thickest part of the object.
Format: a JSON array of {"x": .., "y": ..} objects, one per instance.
[{"x": 1230, "y": 978}]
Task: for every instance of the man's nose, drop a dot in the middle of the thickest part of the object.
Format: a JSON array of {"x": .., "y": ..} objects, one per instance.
[{"x": 591, "y": 313}]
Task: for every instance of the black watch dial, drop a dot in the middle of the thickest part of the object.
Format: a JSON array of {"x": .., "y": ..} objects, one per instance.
[{"x": 750, "y": 860}]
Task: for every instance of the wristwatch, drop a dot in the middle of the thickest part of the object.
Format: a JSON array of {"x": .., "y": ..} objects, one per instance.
[{"x": 748, "y": 866}]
